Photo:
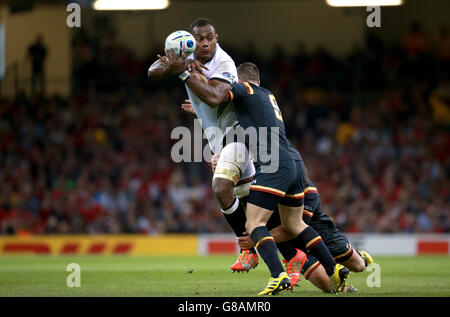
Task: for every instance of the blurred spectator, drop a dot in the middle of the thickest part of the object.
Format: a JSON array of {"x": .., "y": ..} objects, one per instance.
[
  {"x": 416, "y": 41},
  {"x": 37, "y": 52},
  {"x": 443, "y": 44}
]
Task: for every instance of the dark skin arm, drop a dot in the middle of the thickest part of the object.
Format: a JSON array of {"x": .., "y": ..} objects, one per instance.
[
  {"x": 214, "y": 93},
  {"x": 278, "y": 233},
  {"x": 161, "y": 69}
]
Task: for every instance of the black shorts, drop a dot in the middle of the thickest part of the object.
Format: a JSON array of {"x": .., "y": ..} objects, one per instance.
[
  {"x": 285, "y": 186},
  {"x": 338, "y": 244}
]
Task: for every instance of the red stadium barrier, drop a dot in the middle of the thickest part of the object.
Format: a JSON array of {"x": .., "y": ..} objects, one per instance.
[{"x": 432, "y": 247}]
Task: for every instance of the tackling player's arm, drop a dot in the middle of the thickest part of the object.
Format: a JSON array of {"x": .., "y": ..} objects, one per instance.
[
  {"x": 213, "y": 93},
  {"x": 220, "y": 93}
]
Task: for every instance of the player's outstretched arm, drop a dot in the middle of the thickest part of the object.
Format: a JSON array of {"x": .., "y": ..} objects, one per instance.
[{"x": 159, "y": 70}]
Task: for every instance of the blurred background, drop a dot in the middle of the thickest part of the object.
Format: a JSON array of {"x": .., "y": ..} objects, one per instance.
[{"x": 85, "y": 135}]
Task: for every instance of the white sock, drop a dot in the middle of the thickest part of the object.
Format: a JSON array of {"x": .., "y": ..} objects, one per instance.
[{"x": 233, "y": 207}]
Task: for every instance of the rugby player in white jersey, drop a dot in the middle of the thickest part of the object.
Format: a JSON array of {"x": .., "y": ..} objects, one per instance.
[{"x": 234, "y": 170}]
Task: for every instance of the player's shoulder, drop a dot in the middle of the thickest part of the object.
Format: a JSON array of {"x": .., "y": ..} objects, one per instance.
[
  {"x": 242, "y": 88},
  {"x": 221, "y": 56},
  {"x": 261, "y": 89},
  {"x": 222, "y": 66}
]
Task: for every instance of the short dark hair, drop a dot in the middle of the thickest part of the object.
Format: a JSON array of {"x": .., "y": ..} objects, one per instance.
[
  {"x": 248, "y": 71},
  {"x": 201, "y": 22}
]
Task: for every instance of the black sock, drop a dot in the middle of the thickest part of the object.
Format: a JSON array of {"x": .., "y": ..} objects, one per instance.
[
  {"x": 310, "y": 240},
  {"x": 235, "y": 216},
  {"x": 287, "y": 250},
  {"x": 267, "y": 249}
]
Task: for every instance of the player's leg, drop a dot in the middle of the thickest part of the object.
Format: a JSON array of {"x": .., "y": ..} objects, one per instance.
[
  {"x": 294, "y": 259},
  {"x": 263, "y": 241},
  {"x": 231, "y": 206},
  {"x": 257, "y": 218},
  {"x": 367, "y": 258},
  {"x": 306, "y": 238},
  {"x": 230, "y": 185},
  {"x": 340, "y": 247},
  {"x": 314, "y": 272},
  {"x": 358, "y": 261},
  {"x": 248, "y": 258},
  {"x": 355, "y": 263},
  {"x": 266, "y": 191},
  {"x": 286, "y": 248}
]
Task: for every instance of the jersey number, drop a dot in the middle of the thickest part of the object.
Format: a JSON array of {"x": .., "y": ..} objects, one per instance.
[{"x": 276, "y": 108}]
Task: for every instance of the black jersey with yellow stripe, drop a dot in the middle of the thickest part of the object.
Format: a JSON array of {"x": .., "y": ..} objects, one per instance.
[
  {"x": 257, "y": 107},
  {"x": 312, "y": 211}
]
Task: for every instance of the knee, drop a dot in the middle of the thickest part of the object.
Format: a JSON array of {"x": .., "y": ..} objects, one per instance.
[
  {"x": 360, "y": 266},
  {"x": 292, "y": 228},
  {"x": 252, "y": 224},
  {"x": 222, "y": 189},
  {"x": 303, "y": 225}
]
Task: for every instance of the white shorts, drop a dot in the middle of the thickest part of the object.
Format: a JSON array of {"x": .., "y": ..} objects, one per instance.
[{"x": 235, "y": 164}]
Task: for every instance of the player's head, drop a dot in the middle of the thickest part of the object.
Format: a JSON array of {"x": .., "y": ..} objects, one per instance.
[
  {"x": 204, "y": 31},
  {"x": 248, "y": 72}
]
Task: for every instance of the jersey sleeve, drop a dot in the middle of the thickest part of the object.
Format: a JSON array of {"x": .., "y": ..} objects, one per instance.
[
  {"x": 225, "y": 71},
  {"x": 311, "y": 204},
  {"x": 239, "y": 90}
]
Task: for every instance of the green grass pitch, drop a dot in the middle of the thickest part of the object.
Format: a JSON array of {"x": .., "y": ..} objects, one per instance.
[{"x": 201, "y": 276}]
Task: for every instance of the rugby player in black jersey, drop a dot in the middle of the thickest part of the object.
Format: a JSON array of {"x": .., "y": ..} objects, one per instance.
[
  {"x": 282, "y": 187},
  {"x": 338, "y": 244}
]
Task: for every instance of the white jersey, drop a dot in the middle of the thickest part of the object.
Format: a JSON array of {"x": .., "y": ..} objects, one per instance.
[{"x": 215, "y": 120}]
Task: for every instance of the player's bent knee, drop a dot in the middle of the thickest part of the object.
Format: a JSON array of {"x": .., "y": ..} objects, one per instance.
[
  {"x": 222, "y": 188},
  {"x": 355, "y": 263},
  {"x": 254, "y": 222},
  {"x": 250, "y": 225},
  {"x": 302, "y": 225},
  {"x": 360, "y": 265}
]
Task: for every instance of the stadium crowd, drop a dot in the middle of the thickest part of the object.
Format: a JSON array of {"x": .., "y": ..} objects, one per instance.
[{"x": 372, "y": 128}]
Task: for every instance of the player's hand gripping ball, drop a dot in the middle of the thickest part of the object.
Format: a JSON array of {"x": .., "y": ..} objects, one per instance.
[{"x": 181, "y": 42}]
